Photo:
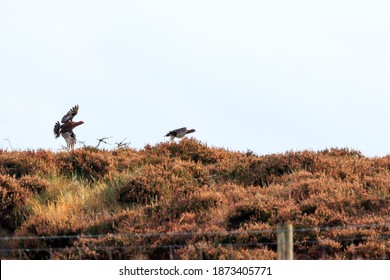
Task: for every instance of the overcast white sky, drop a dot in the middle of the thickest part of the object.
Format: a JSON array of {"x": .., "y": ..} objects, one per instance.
[{"x": 268, "y": 76}]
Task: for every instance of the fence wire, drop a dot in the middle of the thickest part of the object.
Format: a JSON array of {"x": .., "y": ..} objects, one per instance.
[
  {"x": 188, "y": 233},
  {"x": 8, "y": 251}
]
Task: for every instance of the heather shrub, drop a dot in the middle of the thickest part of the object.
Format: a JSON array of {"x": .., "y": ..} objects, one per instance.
[
  {"x": 302, "y": 190},
  {"x": 231, "y": 169},
  {"x": 373, "y": 249},
  {"x": 376, "y": 182},
  {"x": 84, "y": 164},
  {"x": 245, "y": 213},
  {"x": 345, "y": 168},
  {"x": 133, "y": 222},
  {"x": 195, "y": 173},
  {"x": 308, "y": 208},
  {"x": 186, "y": 149},
  {"x": 209, "y": 251},
  {"x": 126, "y": 159},
  {"x": 200, "y": 203},
  {"x": 13, "y": 199},
  {"x": 317, "y": 248},
  {"x": 330, "y": 218},
  {"x": 375, "y": 204},
  {"x": 101, "y": 248},
  {"x": 163, "y": 247},
  {"x": 139, "y": 190},
  {"x": 330, "y": 248},
  {"x": 18, "y": 164},
  {"x": 185, "y": 200},
  {"x": 46, "y": 226},
  {"x": 150, "y": 183},
  {"x": 253, "y": 234},
  {"x": 341, "y": 152},
  {"x": 265, "y": 170},
  {"x": 111, "y": 223},
  {"x": 33, "y": 183},
  {"x": 70, "y": 229}
]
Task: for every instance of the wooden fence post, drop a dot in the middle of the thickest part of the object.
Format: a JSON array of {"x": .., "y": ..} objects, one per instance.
[{"x": 285, "y": 242}]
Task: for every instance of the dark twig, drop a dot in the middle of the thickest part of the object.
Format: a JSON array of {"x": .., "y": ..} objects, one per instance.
[
  {"x": 122, "y": 144},
  {"x": 9, "y": 143},
  {"x": 82, "y": 143},
  {"x": 103, "y": 140}
]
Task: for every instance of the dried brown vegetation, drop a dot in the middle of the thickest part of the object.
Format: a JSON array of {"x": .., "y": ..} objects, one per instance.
[{"x": 190, "y": 201}]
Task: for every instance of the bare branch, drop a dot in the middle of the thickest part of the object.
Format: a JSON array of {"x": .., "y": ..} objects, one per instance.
[
  {"x": 103, "y": 140},
  {"x": 9, "y": 142},
  {"x": 122, "y": 144},
  {"x": 82, "y": 143}
]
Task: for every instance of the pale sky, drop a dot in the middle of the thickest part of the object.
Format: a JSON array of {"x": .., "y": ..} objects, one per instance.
[{"x": 268, "y": 76}]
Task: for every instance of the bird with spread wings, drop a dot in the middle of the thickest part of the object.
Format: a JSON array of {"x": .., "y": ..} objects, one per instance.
[{"x": 66, "y": 128}]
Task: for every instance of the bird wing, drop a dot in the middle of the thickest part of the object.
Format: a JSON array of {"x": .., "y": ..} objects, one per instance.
[
  {"x": 181, "y": 132},
  {"x": 176, "y": 132},
  {"x": 71, "y": 113}
]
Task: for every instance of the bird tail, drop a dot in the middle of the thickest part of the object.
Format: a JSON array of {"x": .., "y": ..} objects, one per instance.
[{"x": 57, "y": 129}]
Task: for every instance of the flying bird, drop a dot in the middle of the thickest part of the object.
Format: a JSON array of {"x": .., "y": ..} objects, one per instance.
[
  {"x": 66, "y": 128},
  {"x": 179, "y": 133}
]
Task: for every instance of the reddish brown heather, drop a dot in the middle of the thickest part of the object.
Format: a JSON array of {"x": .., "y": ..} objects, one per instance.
[{"x": 190, "y": 201}]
